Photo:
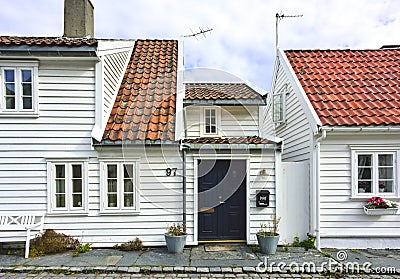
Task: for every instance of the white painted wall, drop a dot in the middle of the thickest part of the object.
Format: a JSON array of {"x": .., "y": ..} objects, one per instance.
[
  {"x": 343, "y": 222},
  {"x": 236, "y": 121},
  {"x": 296, "y": 130},
  {"x": 62, "y": 130}
]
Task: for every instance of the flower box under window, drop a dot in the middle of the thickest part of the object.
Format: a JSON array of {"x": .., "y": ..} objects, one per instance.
[{"x": 380, "y": 211}]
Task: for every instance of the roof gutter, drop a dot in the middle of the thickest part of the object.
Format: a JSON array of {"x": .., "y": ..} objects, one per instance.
[
  {"x": 361, "y": 129},
  {"x": 46, "y": 51}
]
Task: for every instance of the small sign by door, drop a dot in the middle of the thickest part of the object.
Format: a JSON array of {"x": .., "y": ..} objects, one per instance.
[{"x": 262, "y": 198}]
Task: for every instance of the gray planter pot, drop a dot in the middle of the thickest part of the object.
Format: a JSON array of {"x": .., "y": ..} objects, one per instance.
[
  {"x": 267, "y": 244},
  {"x": 175, "y": 244}
]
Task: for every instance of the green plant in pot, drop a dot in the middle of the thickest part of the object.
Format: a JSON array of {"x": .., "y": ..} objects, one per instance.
[
  {"x": 175, "y": 237},
  {"x": 268, "y": 236}
]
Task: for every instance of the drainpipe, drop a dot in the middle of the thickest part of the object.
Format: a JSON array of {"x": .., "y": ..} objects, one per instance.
[
  {"x": 184, "y": 148},
  {"x": 317, "y": 188}
]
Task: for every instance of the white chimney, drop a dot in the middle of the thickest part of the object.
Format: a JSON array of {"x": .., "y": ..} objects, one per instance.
[{"x": 78, "y": 18}]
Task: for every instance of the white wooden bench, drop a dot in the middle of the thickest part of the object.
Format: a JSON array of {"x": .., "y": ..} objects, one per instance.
[{"x": 21, "y": 222}]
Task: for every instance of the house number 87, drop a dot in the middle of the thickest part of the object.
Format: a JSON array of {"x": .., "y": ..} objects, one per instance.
[{"x": 170, "y": 171}]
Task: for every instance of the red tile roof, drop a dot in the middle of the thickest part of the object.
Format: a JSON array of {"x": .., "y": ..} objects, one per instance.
[
  {"x": 47, "y": 41},
  {"x": 240, "y": 140},
  {"x": 350, "y": 87},
  {"x": 219, "y": 91},
  {"x": 144, "y": 108}
]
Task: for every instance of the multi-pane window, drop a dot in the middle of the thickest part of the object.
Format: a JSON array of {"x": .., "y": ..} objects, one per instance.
[
  {"x": 67, "y": 187},
  {"x": 120, "y": 186},
  {"x": 18, "y": 92},
  {"x": 210, "y": 121},
  {"x": 375, "y": 173},
  {"x": 278, "y": 107}
]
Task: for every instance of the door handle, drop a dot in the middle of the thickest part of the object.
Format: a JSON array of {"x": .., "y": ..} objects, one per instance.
[{"x": 221, "y": 202}]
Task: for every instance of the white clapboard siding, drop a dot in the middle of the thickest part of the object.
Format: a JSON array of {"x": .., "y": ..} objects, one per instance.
[
  {"x": 66, "y": 93},
  {"x": 160, "y": 200},
  {"x": 340, "y": 215},
  {"x": 258, "y": 161},
  {"x": 296, "y": 131},
  {"x": 236, "y": 121}
]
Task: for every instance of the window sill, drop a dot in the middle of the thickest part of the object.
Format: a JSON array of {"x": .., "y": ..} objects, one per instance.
[
  {"x": 19, "y": 114},
  {"x": 119, "y": 212},
  {"x": 363, "y": 198},
  {"x": 69, "y": 213}
]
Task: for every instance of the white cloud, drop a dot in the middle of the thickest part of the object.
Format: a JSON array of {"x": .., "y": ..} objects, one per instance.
[{"x": 243, "y": 39}]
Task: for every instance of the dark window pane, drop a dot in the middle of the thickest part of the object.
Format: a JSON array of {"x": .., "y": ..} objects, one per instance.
[
  {"x": 128, "y": 200},
  {"x": 26, "y": 76},
  {"x": 76, "y": 171},
  {"x": 364, "y": 173},
  {"x": 365, "y": 160},
  {"x": 10, "y": 89},
  {"x": 386, "y": 186},
  {"x": 77, "y": 185},
  {"x": 10, "y": 102},
  {"x": 128, "y": 185},
  {"x": 128, "y": 171},
  {"x": 27, "y": 89},
  {"x": 208, "y": 128},
  {"x": 112, "y": 185},
  {"x": 27, "y": 102},
  {"x": 385, "y": 160},
  {"x": 60, "y": 171},
  {"x": 60, "y": 200},
  {"x": 77, "y": 200},
  {"x": 112, "y": 171},
  {"x": 112, "y": 200},
  {"x": 386, "y": 173},
  {"x": 364, "y": 186},
  {"x": 9, "y": 75},
  {"x": 60, "y": 186}
]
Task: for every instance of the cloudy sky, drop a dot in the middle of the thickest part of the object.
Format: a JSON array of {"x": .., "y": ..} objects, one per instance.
[{"x": 243, "y": 38}]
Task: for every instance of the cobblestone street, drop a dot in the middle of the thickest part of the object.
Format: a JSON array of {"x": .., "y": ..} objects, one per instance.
[{"x": 46, "y": 275}]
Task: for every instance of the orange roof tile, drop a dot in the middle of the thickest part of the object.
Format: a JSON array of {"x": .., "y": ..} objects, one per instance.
[
  {"x": 47, "y": 41},
  {"x": 146, "y": 100},
  {"x": 350, "y": 87},
  {"x": 219, "y": 91}
]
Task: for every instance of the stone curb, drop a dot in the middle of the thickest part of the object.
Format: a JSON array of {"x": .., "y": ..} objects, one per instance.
[{"x": 149, "y": 270}]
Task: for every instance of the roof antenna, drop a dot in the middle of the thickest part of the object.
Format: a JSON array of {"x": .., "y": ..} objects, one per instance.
[
  {"x": 279, "y": 17},
  {"x": 200, "y": 32}
]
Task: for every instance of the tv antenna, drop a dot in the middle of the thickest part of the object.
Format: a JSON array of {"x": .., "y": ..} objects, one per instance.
[
  {"x": 279, "y": 17},
  {"x": 198, "y": 33}
]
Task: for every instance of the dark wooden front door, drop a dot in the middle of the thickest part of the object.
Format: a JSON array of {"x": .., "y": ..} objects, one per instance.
[{"x": 222, "y": 199}]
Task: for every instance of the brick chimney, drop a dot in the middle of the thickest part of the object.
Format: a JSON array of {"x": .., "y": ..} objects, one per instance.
[{"x": 78, "y": 18}]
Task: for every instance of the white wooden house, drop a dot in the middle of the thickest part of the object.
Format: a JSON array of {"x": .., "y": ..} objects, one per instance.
[
  {"x": 338, "y": 112},
  {"x": 104, "y": 137}
]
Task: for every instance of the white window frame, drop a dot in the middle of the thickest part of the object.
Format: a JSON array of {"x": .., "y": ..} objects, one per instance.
[
  {"x": 18, "y": 67},
  {"x": 203, "y": 132},
  {"x": 51, "y": 187},
  {"x": 375, "y": 178},
  {"x": 281, "y": 95},
  {"x": 120, "y": 209}
]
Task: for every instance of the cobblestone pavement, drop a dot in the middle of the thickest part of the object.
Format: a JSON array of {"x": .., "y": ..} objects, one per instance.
[{"x": 46, "y": 275}]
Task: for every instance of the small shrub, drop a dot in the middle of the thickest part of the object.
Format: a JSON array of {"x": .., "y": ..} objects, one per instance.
[
  {"x": 133, "y": 245},
  {"x": 82, "y": 248},
  {"x": 271, "y": 228},
  {"x": 51, "y": 242},
  {"x": 307, "y": 243},
  {"x": 176, "y": 229}
]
